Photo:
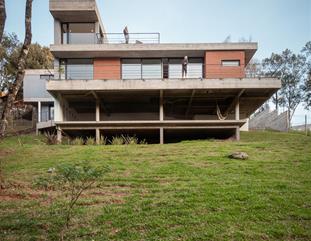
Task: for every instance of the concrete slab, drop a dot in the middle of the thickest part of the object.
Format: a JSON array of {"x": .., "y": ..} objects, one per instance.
[
  {"x": 162, "y": 84},
  {"x": 162, "y": 50}
]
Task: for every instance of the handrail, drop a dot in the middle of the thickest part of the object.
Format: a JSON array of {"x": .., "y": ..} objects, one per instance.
[{"x": 149, "y": 71}]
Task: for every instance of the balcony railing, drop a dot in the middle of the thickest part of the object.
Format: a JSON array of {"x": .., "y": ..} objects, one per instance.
[
  {"x": 111, "y": 38},
  {"x": 133, "y": 38},
  {"x": 152, "y": 71}
]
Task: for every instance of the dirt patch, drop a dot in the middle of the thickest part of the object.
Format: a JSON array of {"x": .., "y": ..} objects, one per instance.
[
  {"x": 5, "y": 196},
  {"x": 5, "y": 152}
]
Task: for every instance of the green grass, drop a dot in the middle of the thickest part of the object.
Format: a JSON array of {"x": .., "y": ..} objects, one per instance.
[{"x": 183, "y": 191}]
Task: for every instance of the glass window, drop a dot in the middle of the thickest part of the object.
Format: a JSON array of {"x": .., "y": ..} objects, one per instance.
[
  {"x": 46, "y": 76},
  {"x": 230, "y": 63},
  {"x": 194, "y": 68},
  {"x": 78, "y": 33},
  {"x": 151, "y": 69},
  {"x": 131, "y": 69},
  {"x": 64, "y": 33},
  {"x": 175, "y": 68},
  {"x": 76, "y": 69}
]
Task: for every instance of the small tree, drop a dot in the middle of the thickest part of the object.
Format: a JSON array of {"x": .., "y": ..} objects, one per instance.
[{"x": 72, "y": 180}]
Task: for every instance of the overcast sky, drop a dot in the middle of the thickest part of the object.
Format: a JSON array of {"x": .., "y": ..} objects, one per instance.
[{"x": 274, "y": 24}]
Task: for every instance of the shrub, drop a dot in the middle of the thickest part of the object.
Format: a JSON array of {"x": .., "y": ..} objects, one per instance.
[
  {"x": 77, "y": 141},
  {"x": 130, "y": 140},
  {"x": 103, "y": 140},
  {"x": 66, "y": 140},
  {"x": 50, "y": 138},
  {"x": 90, "y": 141},
  {"x": 117, "y": 140},
  {"x": 143, "y": 142}
]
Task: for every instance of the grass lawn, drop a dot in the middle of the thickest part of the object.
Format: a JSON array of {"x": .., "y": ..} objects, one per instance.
[{"x": 184, "y": 191}]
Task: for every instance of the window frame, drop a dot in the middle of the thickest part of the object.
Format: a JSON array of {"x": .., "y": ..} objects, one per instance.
[{"x": 238, "y": 61}]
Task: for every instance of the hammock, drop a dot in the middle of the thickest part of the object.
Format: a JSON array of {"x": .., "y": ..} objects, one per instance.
[{"x": 220, "y": 116}]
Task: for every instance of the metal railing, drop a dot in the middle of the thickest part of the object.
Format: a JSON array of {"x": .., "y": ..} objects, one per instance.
[
  {"x": 133, "y": 38},
  {"x": 152, "y": 71},
  {"x": 111, "y": 38}
]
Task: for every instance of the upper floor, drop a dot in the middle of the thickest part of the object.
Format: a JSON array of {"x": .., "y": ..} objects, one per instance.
[{"x": 83, "y": 50}]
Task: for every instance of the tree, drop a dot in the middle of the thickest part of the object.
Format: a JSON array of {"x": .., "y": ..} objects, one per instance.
[
  {"x": 39, "y": 57},
  {"x": 290, "y": 68},
  {"x": 21, "y": 64},
  {"x": 9, "y": 47},
  {"x": 306, "y": 51},
  {"x": 2, "y": 18}
]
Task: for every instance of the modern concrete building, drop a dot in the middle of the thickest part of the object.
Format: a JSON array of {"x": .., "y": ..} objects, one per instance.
[{"x": 105, "y": 86}]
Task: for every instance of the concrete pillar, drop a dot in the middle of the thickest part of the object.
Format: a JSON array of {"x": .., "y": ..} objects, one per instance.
[
  {"x": 59, "y": 135},
  {"x": 57, "y": 32},
  {"x": 39, "y": 111},
  {"x": 237, "y": 110},
  {"x": 237, "y": 133},
  {"x": 161, "y": 109},
  {"x": 58, "y": 109},
  {"x": 161, "y": 135},
  {"x": 97, "y": 111},
  {"x": 97, "y": 136}
]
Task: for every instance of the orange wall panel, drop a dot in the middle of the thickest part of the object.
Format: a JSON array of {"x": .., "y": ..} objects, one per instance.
[
  {"x": 214, "y": 68},
  {"x": 107, "y": 68}
]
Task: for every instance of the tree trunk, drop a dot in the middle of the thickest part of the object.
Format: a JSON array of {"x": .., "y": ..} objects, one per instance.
[
  {"x": 14, "y": 88},
  {"x": 2, "y": 18}
]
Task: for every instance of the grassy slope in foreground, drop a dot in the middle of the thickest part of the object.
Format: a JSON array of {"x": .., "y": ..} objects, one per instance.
[{"x": 184, "y": 191}]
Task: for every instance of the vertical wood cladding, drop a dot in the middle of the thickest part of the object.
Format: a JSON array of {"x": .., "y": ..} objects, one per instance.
[
  {"x": 214, "y": 68},
  {"x": 107, "y": 68}
]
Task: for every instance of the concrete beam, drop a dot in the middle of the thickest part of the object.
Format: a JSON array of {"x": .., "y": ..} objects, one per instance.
[
  {"x": 237, "y": 110},
  {"x": 163, "y": 84},
  {"x": 39, "y": 111},
  {"x": 161, "y": 107},
  {"x": 190, "y": 103},
  {"x": 86, "y": 125},
  {"x": 97, "y": 110},
  {"x": 97, "y": 136},
  {"x": 161, "y": 136},
  {"x": 59, "y": 135},
  {"x": 237, "y": 133},
  {"x": 234, "y": 103},
  {"x": 148, "y": 50}
]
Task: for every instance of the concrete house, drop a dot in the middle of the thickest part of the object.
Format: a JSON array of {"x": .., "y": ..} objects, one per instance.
[{"x": 102, "y": 85}]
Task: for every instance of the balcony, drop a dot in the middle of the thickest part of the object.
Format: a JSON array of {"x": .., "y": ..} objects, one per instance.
[
  {"x": 146, "y": 69},
  {"x": 110, "y": 38}
]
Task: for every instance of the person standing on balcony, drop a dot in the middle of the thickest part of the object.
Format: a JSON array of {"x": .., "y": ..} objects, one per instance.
[
  {"x": 126, "y": 35},
  {"x": 184, "y": 67}
]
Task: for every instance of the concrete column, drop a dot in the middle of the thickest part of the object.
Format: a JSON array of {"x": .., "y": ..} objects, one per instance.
[
  {"x": 237, "y": 133},
  {"x": 97, "y": 136},
  {"x": 161, "y": 110},
  {"x": 39, "y": 111},
  {"x": 237, "y": 110},
  {"x": 59, "y": 135},
  {"x": 161, "y": 135},
  {"x": 58, "y": 109},
  {"x": 97, "y": 111}
]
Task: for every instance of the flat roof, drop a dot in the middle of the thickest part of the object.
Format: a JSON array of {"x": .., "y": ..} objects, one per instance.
[
  {"x": 75, "y": 11},
  {"x": 148, "y": 50}
]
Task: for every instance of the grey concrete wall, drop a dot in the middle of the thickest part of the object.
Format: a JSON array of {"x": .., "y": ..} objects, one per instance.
[
  {"x": 269, "y": 120},
  {"x": 35, "y": 88}
]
